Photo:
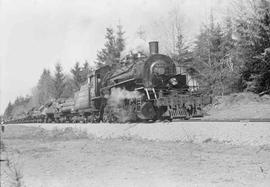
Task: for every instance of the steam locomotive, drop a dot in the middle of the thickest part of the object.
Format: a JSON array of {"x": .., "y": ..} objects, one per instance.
[{"x": 139, "y": 88}]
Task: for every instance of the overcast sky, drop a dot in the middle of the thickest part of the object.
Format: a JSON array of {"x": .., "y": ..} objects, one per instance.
[{"x": 36, "y": 34}]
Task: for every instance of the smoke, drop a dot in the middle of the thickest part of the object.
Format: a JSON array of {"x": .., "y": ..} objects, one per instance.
[
  {"x": 117, "y": 106},
  {"x": 118, "y": 95},
  {"x": 135, "y": 46}
]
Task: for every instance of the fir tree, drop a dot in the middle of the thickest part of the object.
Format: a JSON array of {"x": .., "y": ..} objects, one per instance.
[
  {"x": 85, "y": 71},
  {"x": 80, "y": 74},
  {"x": 212, "y": 59},
  {"x": 253, "y": 46},
  {"x": 120, "y": 41},
  {"x": 107, "y": 56},
  {"x": 69, "y": 88},
  {"x": 59, "y": 81},
  {"x": 8, "y": 111},
  {"x": 114, "y": 45},
  {"x": 182, "y": 55},
  {"x": 76, "y": 72},
  {"x": 45, "y": 89}
]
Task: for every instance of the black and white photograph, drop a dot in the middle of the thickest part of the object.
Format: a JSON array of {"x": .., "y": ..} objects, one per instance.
[{"x": 135, "y": 93}]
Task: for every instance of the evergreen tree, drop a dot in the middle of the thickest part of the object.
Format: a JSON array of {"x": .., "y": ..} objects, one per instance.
[
  {"x": 20, "y": 106},
  {"x": 114, "y": 45},
  {"x": 181, "y": 55},
  {"x": 120, "y": 41},
  {"x": 69, "y": 88},
  {"x": 45, "y": 89},
  {"x": 80, "y": 74},
  {"x": 59, "y": 81},
  {"x": 85, "y": 71},
  {"x": 176, "y": 45},
  {"x": 107, "y": 55},
  {"x": 8, "y": 111},
  {"x": 230, "y": 60},
  {"x": 213, "y": 59},
  {"x": 253, "y": 46},
  {"x": 76, "y": 72}
]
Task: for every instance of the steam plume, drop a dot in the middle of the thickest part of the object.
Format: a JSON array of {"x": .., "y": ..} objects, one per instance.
[{"x": 116, "y": 103}]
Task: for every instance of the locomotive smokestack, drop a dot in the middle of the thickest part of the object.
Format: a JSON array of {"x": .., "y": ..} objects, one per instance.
[{"x": 153, "y": 47}]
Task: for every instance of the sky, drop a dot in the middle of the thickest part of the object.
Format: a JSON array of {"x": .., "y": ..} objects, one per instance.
[{"x": 37, "y": 34}]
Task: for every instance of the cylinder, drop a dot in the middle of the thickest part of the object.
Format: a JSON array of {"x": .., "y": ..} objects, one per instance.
[{"x": 153, "y": 47}]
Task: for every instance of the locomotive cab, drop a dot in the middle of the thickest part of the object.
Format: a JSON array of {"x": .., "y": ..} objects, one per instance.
[{"x": 95, "y": 80}]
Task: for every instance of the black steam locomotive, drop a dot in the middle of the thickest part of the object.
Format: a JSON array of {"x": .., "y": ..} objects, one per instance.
[
  {"x": 138, "y": 88},
  {"x": 142, "y": 88}
]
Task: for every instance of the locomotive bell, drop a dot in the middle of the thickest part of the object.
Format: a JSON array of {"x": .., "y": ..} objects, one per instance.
[{"x": 153, "y": 47}]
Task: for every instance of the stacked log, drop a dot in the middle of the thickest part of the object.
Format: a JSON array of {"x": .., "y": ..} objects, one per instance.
[
  {"x": 82, "y": 98},
  {"x": 68, "y": 105}
]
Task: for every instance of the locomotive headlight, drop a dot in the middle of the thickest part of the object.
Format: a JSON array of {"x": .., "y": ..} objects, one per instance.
[{"x": 173, "y": 81}]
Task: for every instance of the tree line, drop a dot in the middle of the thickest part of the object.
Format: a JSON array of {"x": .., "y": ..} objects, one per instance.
[
  {"x": 232, "y": 55},
  {"x": 50, "y": 86},
  {"x": 57, "y": 85}
]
